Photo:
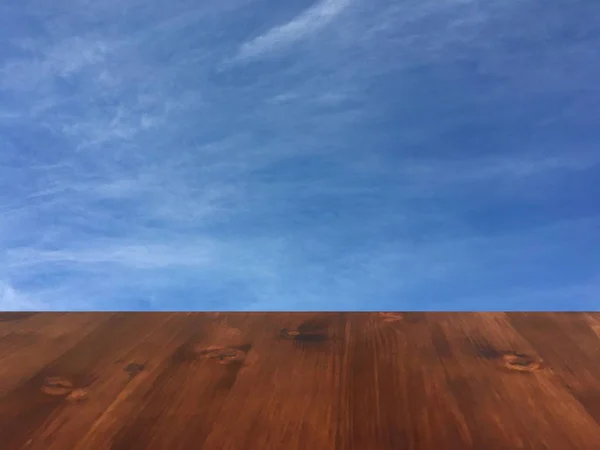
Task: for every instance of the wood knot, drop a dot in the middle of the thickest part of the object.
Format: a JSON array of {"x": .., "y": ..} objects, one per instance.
[
  {"x": 57, "y": 386},
  {"x": 224, "y": 355},
  {"x": 391, "y": 316},
  {"x": 521, "y": 362},
  {"x": 77, "y": 395},
  {"x": 303, "y": 335},
  {"x": 134, "y": 368}
]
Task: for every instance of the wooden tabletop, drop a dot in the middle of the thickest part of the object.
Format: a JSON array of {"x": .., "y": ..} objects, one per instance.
[{"x": 284, "y": 381}]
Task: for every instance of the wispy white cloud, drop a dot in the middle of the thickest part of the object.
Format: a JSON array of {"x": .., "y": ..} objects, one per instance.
[
  {"x": 309, "y": 21},
  {"x": 119, "y": 254},
  {"x": 13, "y": 300},
  {"x": 135, "y": 172},
  {"x": 42, "y": 62},
  {"x": 432, "y": 175}
]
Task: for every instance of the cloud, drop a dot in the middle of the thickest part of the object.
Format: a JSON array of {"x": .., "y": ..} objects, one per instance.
[
  {"x": 122, "y": 255},
  {"x": 306, "y": 23},
  {"x": 427, "y": 177},
  {"x": 42, "y": 62},
  {"x": 13, "y": 300},
  {"x": 135, "y": 173}
]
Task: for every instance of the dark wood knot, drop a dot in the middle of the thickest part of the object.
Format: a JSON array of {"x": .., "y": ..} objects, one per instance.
[
  {"x": 134, "y": 368},
  {"x": 303, "y": 335},
  {"x": 224, "y": 355},
  {"x": 57, "y": 386},
  {"x": 521, "y": 362}
]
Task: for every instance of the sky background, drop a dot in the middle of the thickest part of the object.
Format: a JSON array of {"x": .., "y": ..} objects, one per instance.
[{"x": 300, "y": 155}]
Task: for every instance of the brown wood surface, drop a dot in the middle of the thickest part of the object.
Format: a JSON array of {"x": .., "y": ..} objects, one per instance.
[{"x": 317, "y": 381}]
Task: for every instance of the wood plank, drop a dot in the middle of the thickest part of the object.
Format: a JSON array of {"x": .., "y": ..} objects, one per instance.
[
  {"x": 286, "y": 396},
  {"x": 569, "y": 344},
  {"x": 176, "y": 410},
  {"x": 509, "y": 395},
  {"x": 138, "y": 371},
  {"x": 593, "y": 320},
  {"x": 316, "y": 381},
  {"x": 10, "y": 320},
  {"x": 393, "y": 391},
  {"x": 31, "y": 406},
  {"x": 28, "y": 341},
  {"x": 91, "y": 409}
]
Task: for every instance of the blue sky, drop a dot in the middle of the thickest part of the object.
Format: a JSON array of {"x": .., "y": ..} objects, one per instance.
[{"x": 299, "y": 155}]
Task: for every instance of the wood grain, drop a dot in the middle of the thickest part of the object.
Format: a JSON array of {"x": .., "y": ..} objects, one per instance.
[{"x": 317, "y": 381}]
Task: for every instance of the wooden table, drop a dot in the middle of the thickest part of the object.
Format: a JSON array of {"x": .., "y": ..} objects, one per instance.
[{"x": 284, "y": 381}]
